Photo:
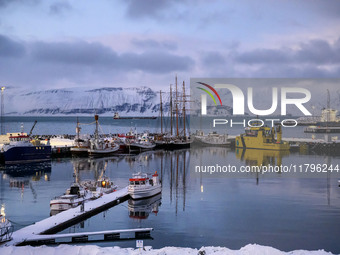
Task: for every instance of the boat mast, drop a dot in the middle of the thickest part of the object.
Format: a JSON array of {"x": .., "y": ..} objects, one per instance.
[
  {"x": 161, "y": 109},
  {"x": 96, "y": 117},
  {"x": 78, "y": 131},
  {"x": 185, "y": 134},
  {"x": 176, "y": 102},
  {"x": 171, "y": 109}
]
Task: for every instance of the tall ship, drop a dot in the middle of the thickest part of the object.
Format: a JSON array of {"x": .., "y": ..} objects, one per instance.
[
  {"x": 177, "y": 139},
  {"x": 264, "y": 138},
  {"x": 21, "y": 148}
]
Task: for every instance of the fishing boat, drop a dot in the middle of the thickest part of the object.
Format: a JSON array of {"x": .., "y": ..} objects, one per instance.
[
  {"x": 6, "y": 229},
  {"x": 74, "y": 196},
  {"x": 100, "y": 187},
  {"x": 21, "y": 148},
  {"x": 141, "y": 186},
  {"x": 142, "y": 143},
  {"x": 100, "y": 146},
  {"x": 212, "y": 139},
  {"x": 262, "y": 138},
  {"x": 82, "y": 142}
]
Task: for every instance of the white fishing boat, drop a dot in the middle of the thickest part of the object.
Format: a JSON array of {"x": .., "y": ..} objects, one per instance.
[
  {"x": 74, "y": 196},
  {"x": 212, "y": 139},
  {"x": 143, "y": 143},
  {"x": 81, "y": 142},
  {"x": 100, "y": 146},
  {"x": 141, "y": 186},
  {"x": 100, "y": 187},
  {"x": 6, "y": 229}
]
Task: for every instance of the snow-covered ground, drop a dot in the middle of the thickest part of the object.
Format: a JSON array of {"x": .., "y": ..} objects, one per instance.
[{"x": 250, "y": 249}]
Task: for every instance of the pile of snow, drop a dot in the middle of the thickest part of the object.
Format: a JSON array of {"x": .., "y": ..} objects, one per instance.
[{"x": 250, "y": 249}]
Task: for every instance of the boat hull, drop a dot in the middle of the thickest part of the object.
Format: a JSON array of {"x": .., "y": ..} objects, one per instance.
[
  {"x": 144, "y": 193},
  {"x": 251, "y": 143},
  {"x": 103, "y": 152},
  {"x": 19, "y": 154}
]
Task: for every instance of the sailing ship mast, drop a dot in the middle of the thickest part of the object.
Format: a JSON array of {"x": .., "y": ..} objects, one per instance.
[
  {"x": 78, "y": 131},
  {"x": 171, "y": 110},
  {"x": 176, "y": 102},
  {"x": 184, "y": 100},
  {"x": 161, "y": 109}
]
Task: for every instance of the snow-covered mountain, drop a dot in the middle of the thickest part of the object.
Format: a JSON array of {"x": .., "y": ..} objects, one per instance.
[
  {"x": 133, "y": 101},
  {"x": 80, "y": 101}
]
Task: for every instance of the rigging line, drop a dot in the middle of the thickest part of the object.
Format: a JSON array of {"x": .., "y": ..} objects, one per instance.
[{"x": 87, "y": 123}]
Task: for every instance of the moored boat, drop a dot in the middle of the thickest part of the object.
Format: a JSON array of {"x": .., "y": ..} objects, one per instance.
[
  {"x": 100, "y": 187},
  {"x": 212, "y": 139},
  {"x": 141, "y": 186},
  {"x": 22, "y": 149},
  {"x": 74, "y": 196},
  {"x": 100, "y": 146},
  {"x": 262, "y": 138}
]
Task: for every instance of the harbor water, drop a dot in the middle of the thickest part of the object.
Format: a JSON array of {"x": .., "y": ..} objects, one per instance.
[{"x": 193, "y": 210}]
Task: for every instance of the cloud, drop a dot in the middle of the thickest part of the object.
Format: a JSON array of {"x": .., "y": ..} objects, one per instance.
[
  {"x": 153, "y": 44},
  {"x": 317, "y": 52},
  {"x": 213, "y": 59},
  {"x": 6, "y": 3},
  {"x": 80, "y": 62},
  {"x": 59, "y": 8},
  {"x": 137, "y": 9},
  {"x": 95, "y": 55},
  {"x": 10, "y": 48}
]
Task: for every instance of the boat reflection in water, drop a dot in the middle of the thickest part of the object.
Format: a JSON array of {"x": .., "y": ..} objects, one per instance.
[
  {"x": 20, "y": 175},
  {"x": 257, "y": 157},
  {"x": 141, "y": 209}
]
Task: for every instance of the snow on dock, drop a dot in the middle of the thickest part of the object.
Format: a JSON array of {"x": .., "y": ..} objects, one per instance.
[{"x": 68, "y": 217}]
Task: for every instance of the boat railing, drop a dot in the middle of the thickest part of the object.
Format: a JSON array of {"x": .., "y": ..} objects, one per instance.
[{"x": 6, "y": 233}]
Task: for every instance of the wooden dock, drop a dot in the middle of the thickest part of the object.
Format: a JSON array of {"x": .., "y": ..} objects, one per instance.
[{"x": 67, "y": 218}]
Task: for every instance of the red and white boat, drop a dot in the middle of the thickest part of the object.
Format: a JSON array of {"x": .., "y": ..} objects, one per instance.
[{"x": 141, "y": 186}]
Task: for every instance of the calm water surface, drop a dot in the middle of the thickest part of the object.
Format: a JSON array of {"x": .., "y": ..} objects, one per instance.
[
  {"x": 287, "y": 213},
  {"x": 194, "y": 209}
]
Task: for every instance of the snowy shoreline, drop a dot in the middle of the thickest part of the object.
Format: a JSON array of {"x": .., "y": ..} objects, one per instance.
[{"x": 250, "y": 249}]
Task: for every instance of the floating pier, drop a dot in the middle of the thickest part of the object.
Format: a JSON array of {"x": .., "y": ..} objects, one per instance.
[
  {"x": 67, "y": 218},
  {"x": 82, "y": 237}
]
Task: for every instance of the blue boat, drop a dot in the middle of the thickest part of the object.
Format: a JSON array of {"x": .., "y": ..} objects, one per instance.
[{"x": 22, "y": 149}]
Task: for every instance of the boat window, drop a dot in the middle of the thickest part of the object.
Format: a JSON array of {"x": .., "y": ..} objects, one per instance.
[
  {"x": 250, "y": 132},
  {"x": 151, "y": 181},
  {"x": 74, "y": 190},
  {"x": 132, "y": 183},
  {"x": 137, "y": 182},
  {"x": 142, "y": 182}
]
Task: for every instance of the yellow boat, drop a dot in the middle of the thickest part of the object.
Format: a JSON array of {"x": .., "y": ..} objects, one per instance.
[{"x": 262, "y": 138}]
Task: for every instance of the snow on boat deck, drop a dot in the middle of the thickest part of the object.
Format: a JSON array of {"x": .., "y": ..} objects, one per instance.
[{"x": 67, "y": 217}]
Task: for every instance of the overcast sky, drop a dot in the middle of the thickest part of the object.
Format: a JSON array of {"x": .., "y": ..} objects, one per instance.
[{"x": 58, "y": 44}]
